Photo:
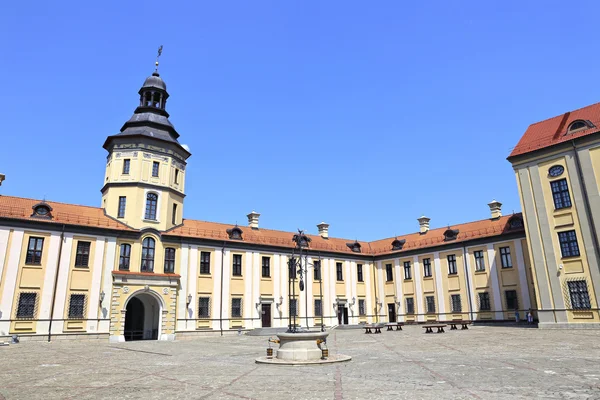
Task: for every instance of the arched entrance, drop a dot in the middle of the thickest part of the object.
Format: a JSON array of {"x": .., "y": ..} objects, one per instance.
[{"x": 142, "y": 318}]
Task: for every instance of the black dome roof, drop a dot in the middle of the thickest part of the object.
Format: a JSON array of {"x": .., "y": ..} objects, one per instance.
[{"x": 154, "y": 81}]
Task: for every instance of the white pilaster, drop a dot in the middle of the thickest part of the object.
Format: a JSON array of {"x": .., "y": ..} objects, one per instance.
[
  {"x": 226, "y": 301},
  {"x": 471, "y": 286},
  {"x": 491, "y": 252},
  {"x": 368, "y": 284},
  {"x": 61, "y": 287},
  {"x": 277, "y": 293},
  {"x": 439, "y": 288},
  {"x": 45, "y": 300},
  {"x": 249, "y": 298},
  {"x": 418, "y": 285},
  {"x": 327, "y": 302},
  {"x": 256, "y": 274},
  {"x": 109, "y": 265},
  {"x": 522, "y": 276},
  {"x": 192, "y": 287},
  {"x": 309, "y": 290},
  {"x": 94, "y": 294},
  {"x": 12, "y": 268},
  {"x": 216, "y": 294},
  {"x": 182, "y": 295}
]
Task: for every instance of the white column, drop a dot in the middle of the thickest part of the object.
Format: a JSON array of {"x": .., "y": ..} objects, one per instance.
[
  {"x": 108, "y": 268},
  {"x": 45, "y": 300},
  {"x": 94, "y": 294},
  {"x": 249, "y": 298},
  {"x": 256, "y": 274},
  {"x": 4, "y": 235},
  {"x": 182, "y": 295},
  {"x": 226, "y": 301},
  {"x": 439, "y": 288},
  {"x": 192, "y": 288},
  {"x": 522, "y": 276},
  {"x": 381, "y": 292},
  {"x": 308, "y": 279},
  {"x": 327, "y": 302},
  {"x": 216, "y": 294},
  {"x": 368, "y": 282},
  {"x": 348, "y": 285},
  {"x": 10, "y": 281},
  {"x": 333, "y": 293},
  {"x": 285, "y": 306},
  {"x": 398, "y": 278},
  {"x": 471, "y": 286},
  {"x": 418, "y": 285},
  {"x": 61, "y": 287},
  {"x": 277, "y": 292},
  {"x": 491, "y": 252}
]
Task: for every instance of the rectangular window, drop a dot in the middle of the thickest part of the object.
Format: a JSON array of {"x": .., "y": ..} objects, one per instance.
[
  {"x": 456, "y": 304},
  {"x": 174, "y": 215},
  {"x": 76, "y": 306},
  {"x": 427, "y": 267},
  {"x": 389, "y": 273},
  {"x": 204, "y": 307},
  {"x": 452, "y": 265},
  {"x": 124, "y": 257},
  {"x": 292, "y": 272},
  {"x": 34, "y": 251},
  {"x": 512, "y": 302},
  {"x": 560, "y": 194},
  {"x": 236, "y": 308},
  {"x": 169, "y": 260},
  {"x": 410, "y": 305},
  {"x": 505, "y": 257},
  {"x": 122, "y": 204},
  {"x": 338, "y": 269},
  {"x": 568, "y": 244},
  {"x": 176, "y": 176},
  {"x": 204, "y": 262},
  {"x": 237, "y": 265},
  {"x": 484, "y": 302},
  {"x": 126, "y": 164},
  {"x": 318, "y": 308},
  {"x": 155, "y": 166},
  {"x": 266, "y": 267},
  {"x": 430, "y": 301},
  {"x": 362, "y": 310},
  {"x": 479, "y": 261},
  {"x": 359, "y": 273},
  {"x": 82, "y": 257},
  {"x": 26, "y": 306},
  {"x": 407, "y": 271},
  {"x": 294, "y": 307},
  {"x": 578, "y": 292},
  {"x": 317, "y": 270}
]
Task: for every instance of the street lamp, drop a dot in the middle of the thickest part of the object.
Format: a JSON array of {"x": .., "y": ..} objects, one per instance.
[
  {"x": 102, "y": 294},
  {"x": 189, "y": 299}
]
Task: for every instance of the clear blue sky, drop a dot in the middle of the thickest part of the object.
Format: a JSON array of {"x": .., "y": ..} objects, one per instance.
[{"x": 364, "y": 115}]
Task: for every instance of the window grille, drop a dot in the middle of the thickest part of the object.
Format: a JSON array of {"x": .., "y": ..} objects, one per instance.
[
  {"x": 77, "y": 306},
  {"x": 410, "y": 305},
  {"x": 236, "y": 308},
  {"x": 27, "y": 306},
  {"x": 578, "y": 294},
  {"x": 484, "y": 301},
  {"x": 319, "y": 308},
  {"x": 430, "y": 300},
  {"x": 512, "y": 302},
  {"x": 361, "y": 307},
  {"x": 456, "y": 303},
  {"x": 204, "y": 307}
]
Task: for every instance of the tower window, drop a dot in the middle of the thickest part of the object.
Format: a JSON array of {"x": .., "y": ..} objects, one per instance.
[
  {"x": 560, "y": 194},
  {"x": 176, "y": 176},
  {"x": 122, "y": 204},
  {"x": 169, "y": 260},
  {"x": 124, "y": 257},
  {"x": 568, "y": 244},
  {"x": 151, "y": 202},
  {"x": 148, "y": 246},
  {"x": 174, "y": 216},
  {"x": 126, "y": 165},
  {"x": 82, "y": 258},
  {"x": 155, "y": 166}
]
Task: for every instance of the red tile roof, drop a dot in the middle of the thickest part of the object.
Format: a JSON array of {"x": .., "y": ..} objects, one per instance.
[
  {"x": 20, "y": 208},
  {"x": 554, "y": 130}
]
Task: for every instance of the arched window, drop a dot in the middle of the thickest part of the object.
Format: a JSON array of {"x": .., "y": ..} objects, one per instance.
[
  {"x": 148, "y": 246},
  {"x": 124, "y": 257},
  {"x": 577, "y": 125},
  {"x": 169, "y": 260},
  {"x": 151, "y": 201}
]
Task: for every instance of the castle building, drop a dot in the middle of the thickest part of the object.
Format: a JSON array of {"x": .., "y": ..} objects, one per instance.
[
  {"x": 557, "y": 165},
  {"x": 134, "y": 268}
]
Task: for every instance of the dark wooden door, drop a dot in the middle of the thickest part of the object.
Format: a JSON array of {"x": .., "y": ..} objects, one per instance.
[
  {"x": 266, "y": 315},
  {"x": 391, "y": 312},
  {"x": 345, "y": 315}
]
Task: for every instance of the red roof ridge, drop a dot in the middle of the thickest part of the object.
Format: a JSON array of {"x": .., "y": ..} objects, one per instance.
[{"x": 52, "y": 201}]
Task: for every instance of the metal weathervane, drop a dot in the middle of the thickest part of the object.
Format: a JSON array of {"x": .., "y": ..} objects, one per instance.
[{"x": 158, "y": 56}]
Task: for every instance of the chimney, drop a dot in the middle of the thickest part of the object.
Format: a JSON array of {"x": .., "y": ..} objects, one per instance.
[
  {"x": 323, "y": 230},
  {"x": 253, "y": 219},
  {"x": 423, "y": 224},
  {"x": 496, "y": 209}
]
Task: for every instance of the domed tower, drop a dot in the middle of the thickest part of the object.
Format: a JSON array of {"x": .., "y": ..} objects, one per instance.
[{"x": 144, "y": 185}]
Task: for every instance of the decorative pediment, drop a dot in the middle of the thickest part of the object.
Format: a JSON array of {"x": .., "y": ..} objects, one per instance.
[
  {"x": 355, "y": 247},
  {"x": 450, "y": 234},
  {"x": 515, "y": 222},
  {"x": 235, "y": 233},
  {"x": 398, "y": 244},
  {"x": 42, "y": 210},
  {"x": 301, "y": 239}
]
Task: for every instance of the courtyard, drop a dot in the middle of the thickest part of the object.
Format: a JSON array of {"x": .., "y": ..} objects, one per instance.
[{"x": 484, "y": 362}]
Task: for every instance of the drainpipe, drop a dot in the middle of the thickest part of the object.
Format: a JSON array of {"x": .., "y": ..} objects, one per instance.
[
  {"x": 467, "y": 279},
  {"x": 60, "y": 246},
  {"x": 221, "y": 296},
  {"x": 586, "y": 203}
]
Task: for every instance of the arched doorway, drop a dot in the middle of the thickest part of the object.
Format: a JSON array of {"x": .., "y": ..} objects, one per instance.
[{"x": 142, "y": 318}]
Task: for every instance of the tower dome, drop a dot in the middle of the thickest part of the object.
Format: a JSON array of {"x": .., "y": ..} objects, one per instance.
[{"x": 155, "y": 81}]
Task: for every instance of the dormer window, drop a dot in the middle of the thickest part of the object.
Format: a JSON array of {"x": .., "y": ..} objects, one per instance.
[
  {"x": 235, "y": 233},
  {"x": 355, "y": 247},
  {"x": 301, "y": 239},
  {"x": 450, "y": 234},
  {"x": 42, "y": 210},
  {"x": 515, "y": 222},
  {"x": 579, "y": 125},
  {"x": 398, "y": 244}
]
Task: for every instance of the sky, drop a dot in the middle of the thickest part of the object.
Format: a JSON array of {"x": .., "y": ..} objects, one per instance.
[{"x": 365, "y": 115}]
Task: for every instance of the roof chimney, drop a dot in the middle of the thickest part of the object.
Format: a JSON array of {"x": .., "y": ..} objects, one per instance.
[
  {"x": 496, "y": 209},
  {"x": 423, "y": 224},
  {"x": 253, "y": 219},
  {"x": 323, "y": 230}
]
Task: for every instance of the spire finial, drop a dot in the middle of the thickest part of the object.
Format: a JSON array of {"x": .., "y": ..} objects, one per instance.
[{"x": 157, "y": 57}]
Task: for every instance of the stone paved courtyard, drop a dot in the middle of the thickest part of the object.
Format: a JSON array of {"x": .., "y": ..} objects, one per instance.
[{"x": 482, "y": 363}]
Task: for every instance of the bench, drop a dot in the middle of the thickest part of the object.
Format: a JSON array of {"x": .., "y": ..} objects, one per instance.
[
  {"x": 376, "y": 327},
  {"x": 429, "y": 328},
  {"x": 398, "y": 325},
  {"x": 464, "y": 324}
]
